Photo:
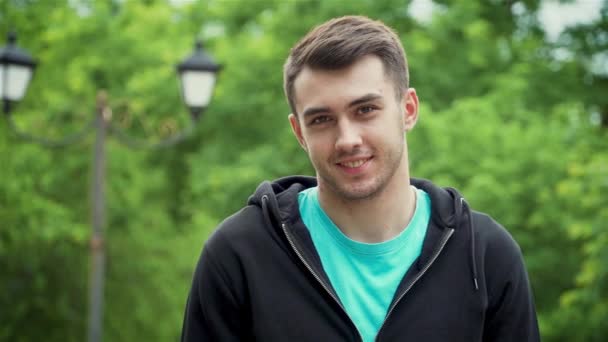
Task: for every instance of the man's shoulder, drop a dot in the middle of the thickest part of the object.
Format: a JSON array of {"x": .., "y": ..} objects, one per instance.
[
  {"x": 497, "y": 245},
  {"x": 237, "y": 229},
  {"x": 240, "y": 221},
  {"x": 489, "y": 230}
]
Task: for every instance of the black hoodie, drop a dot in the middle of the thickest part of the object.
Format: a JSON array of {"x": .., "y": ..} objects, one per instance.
[{"x": 259, "y": 278}]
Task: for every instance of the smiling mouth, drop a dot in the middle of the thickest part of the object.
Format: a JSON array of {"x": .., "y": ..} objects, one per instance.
[{"x": 354, "y": 163}]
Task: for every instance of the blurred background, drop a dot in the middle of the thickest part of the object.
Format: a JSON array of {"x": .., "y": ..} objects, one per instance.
[{"x": 514, "y": 114}]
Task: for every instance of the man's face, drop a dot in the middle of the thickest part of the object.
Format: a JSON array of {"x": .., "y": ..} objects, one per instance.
[{"x": 352, "y": 126}]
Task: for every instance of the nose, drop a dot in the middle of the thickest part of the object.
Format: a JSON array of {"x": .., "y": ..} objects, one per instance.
[{"x": 348, "y": 136}]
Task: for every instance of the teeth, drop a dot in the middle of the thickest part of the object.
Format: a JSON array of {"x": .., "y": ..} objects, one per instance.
[{"x": 354, "y": 163}]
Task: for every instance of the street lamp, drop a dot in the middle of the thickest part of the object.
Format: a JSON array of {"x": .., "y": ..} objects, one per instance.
[
  {"x": 197, "y": 74},
  {"x": 16, "y": 69}
]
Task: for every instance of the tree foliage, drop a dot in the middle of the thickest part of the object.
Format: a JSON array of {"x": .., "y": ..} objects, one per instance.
[{"x": 515, "y": 121}]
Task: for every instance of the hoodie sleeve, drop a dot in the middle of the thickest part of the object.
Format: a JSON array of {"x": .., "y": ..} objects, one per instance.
[
  {"x": 214, "y": 309},
  {"x": 511, "y": 314}
]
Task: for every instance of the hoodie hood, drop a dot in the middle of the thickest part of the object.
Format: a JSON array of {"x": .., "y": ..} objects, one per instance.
[
  {"x": 278, "y": 201},
  {"x": 277, "y": 198},
  {"x": 279, "y": 187},
  {"x": 446, "y": 202},
  {"x": 452, "y": 211}
]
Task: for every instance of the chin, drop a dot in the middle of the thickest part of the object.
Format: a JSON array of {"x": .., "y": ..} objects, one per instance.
[{"x": 359, "y": 192}]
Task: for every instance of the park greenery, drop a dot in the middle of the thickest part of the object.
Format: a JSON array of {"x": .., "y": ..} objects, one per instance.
[{"x": 516, "y": 121}]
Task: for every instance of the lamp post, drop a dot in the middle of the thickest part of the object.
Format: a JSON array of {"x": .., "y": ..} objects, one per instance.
[{"x": 197, "y": 75}]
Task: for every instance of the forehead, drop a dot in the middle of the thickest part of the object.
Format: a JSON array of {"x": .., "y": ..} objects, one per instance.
[{"x": 320, "y": 87}]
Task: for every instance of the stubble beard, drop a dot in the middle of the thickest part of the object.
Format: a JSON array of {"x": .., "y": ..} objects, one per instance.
[{"x": 365, "y": 190}]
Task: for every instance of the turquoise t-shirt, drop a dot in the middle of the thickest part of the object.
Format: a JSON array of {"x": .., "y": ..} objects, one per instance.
[{"x": 364, "y": 275}]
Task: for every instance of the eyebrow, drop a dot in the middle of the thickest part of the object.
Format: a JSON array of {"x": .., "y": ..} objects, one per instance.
[{"x": 363, "y": 99}]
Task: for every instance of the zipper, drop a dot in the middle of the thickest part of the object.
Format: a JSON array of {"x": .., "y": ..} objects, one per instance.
[
  {"x": 317, "y": 277},
  {"x": 445, "y": 239}
]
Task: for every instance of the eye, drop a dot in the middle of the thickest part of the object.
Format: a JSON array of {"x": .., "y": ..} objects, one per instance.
[
  {"x": 366, "y": 109},
  {"x": 319, "y": 120}
]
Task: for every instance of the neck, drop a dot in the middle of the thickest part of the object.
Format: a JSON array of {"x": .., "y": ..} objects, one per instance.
[{"x": 375, "y": 219}]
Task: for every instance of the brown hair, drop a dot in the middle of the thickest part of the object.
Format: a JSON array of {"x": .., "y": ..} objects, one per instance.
[{"x": 339, "y": 43}]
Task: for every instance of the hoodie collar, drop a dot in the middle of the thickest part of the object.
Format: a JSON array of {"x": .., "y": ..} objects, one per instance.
[
  {"x": 278, "y": 199},
  {"x": 448, "y": 209},
  {"x": 281, "y": 195}
]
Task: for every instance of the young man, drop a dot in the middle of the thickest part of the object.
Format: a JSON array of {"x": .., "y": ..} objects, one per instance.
[{"x": 362, "y": 252}]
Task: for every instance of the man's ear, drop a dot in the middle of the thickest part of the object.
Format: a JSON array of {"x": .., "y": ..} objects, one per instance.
[
  {"x": 297, "y": 130},
  {"x": 410, "y": 106}
]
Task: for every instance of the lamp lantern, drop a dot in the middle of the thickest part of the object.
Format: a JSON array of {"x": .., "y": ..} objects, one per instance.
[
  {"x": 16, "y": 70},
  {"x": 197, "y": 77}
]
